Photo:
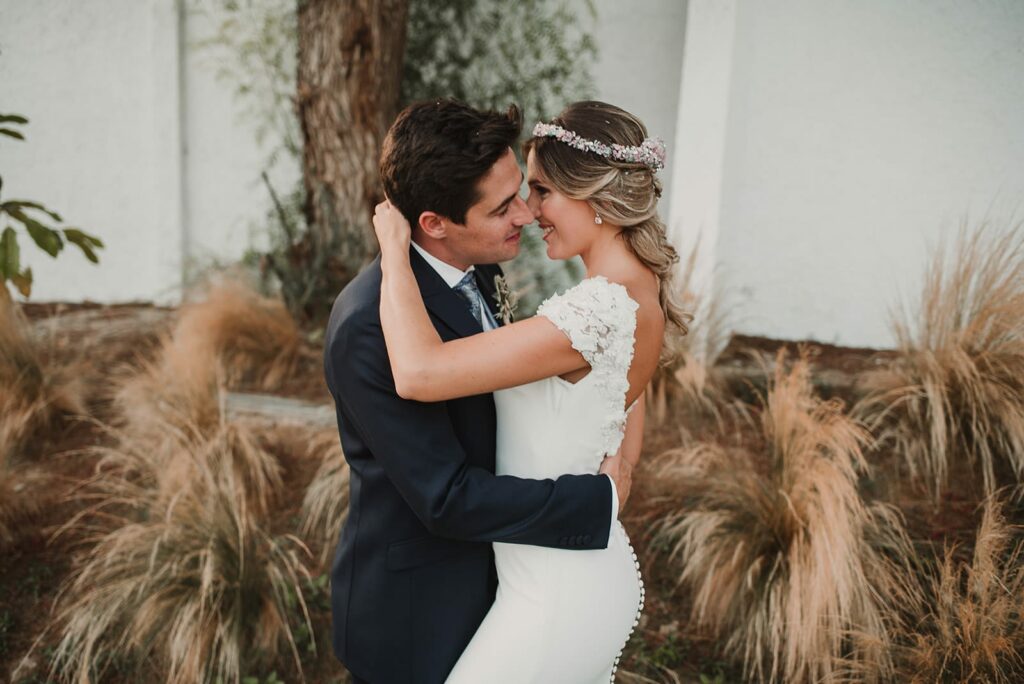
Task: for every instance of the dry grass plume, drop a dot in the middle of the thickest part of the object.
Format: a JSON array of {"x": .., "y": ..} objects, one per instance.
[
  {"x": 255, "y": 338},
  {"x": 325, "y": 505},
  {"x": 687, "y": 377},
  {"x": 956, "y": 391},
  {"x": 34, "y": 393},
  {"x": 181, "y": 572},
  {"x": 33, "y": 397},
  {"x": 962, "y": 620},
  {"x": 782, "y": 556}
]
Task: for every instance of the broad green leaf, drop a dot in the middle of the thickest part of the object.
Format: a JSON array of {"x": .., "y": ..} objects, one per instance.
[
  {"x": 13, "y": 118},
  {"x": 48, "y": 239},
  {"x": 84, "y": 242},
  {"x": 23, "y": 281},
  {"x": 10, "y": 132},
  {"x": 25, "y": 204},
  {"x": 10, "y": 262}
]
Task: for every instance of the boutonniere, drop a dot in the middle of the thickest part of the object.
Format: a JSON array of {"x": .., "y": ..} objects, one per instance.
[{"x": 506, "y": 298}]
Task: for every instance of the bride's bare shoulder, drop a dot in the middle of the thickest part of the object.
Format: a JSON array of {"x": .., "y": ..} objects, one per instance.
[{"x": 643, "y": 288}]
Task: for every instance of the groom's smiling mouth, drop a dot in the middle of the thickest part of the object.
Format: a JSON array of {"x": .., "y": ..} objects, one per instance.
[{"x": 514, "y": 237}]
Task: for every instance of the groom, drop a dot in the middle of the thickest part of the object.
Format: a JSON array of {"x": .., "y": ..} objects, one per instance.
[{"x": 413, "y": 575}]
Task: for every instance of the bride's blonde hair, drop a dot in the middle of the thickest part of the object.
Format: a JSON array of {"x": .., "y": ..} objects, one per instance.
[{"x": 624, "y": 193}]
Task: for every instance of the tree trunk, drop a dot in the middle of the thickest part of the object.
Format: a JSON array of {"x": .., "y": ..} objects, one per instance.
[{"x": 349, "y": 73}]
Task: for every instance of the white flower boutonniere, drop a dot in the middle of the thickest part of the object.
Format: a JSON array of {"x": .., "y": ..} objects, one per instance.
[{"x": 506, "y": 298}]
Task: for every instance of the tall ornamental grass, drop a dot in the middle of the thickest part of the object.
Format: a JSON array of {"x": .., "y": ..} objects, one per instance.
[
  {"x": 34, "y": 396},
  {"x": 956, "y": 390},
  {"x": 786, "y": 564},
  {"x": 325, "y": 505},
  {"x": 181, "y": 580}
]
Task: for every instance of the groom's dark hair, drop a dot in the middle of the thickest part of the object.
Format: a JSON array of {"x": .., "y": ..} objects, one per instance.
[{"x": 436, "y": 152}]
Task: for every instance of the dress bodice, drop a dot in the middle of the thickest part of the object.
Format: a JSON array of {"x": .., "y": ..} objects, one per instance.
[{"x": 553, "y": 427}]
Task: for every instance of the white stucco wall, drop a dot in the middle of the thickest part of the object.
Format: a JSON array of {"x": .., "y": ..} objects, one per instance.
[
  {"x": 821, "y": 143},
  {"x": 131, "y": 137},
  {"x": 857, "y": 133},
  {"x": 640, "y": 47},
  {"x": 99, "y": 89},
  {"x": 225, "y": 200}
]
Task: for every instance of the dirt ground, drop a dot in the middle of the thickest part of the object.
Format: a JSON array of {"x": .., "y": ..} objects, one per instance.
[{"x": 117, "y": 336}]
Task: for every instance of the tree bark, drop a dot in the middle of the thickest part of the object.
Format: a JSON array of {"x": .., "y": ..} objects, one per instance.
[{"x": 349, "y": 73}]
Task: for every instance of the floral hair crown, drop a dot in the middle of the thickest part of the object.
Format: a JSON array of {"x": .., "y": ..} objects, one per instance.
[{"x": 651, "y": 152}]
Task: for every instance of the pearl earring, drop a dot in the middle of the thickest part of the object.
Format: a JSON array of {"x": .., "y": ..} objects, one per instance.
[{"x": 597, "y": 219}]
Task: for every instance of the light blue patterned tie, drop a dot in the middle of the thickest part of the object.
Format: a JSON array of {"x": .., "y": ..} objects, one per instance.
[{"x": 468, "y": 290}]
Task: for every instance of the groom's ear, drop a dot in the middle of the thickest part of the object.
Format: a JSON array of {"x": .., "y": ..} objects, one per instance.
[{"x": 433, "y": 225}]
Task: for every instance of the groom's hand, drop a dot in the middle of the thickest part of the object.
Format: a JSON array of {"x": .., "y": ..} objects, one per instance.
[{"x": 621, "y": 472}]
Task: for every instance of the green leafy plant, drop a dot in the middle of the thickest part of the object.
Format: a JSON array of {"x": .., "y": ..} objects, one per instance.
[{"x": 30, "y": 215}]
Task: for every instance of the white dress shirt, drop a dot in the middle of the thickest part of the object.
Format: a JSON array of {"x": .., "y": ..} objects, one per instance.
[{"x": 453, "y": 276}]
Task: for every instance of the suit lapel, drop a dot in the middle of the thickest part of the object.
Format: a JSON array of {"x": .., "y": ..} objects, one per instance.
[{"x": 442, "y": 301}]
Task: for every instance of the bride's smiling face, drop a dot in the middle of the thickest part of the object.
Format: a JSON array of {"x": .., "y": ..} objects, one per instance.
[{"x": 567, "y": 224}]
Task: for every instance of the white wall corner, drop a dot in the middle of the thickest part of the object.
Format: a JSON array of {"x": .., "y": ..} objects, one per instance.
[
  {"x": 168, "y": 211},
  {"x": 701, "y": 124}
]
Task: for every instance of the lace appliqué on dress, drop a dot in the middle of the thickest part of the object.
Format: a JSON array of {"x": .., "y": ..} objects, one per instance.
[{"x": 599, "y": 318}]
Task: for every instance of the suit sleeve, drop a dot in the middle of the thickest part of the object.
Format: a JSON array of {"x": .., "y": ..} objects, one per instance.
[{"x": 418, "y": 449}]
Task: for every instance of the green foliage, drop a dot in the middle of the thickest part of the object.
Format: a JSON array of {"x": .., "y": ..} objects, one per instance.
[
  {"x": 717, "y": 678},
  {"x": 490, "y": 54},
  {"x": 25, "y": 212},
  {"x": 272, "y": 678},
  {"x": 6, "y": 623},
  {"x": 669, "y": 654}
]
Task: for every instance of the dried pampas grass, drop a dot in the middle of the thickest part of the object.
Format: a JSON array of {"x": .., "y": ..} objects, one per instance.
[
  {"x": 956, "y": 391},
  {"x": 254, "y": 337},
  {"x": 181, "y": 575},
  {"x": 325, "y": 506},
  {"x": 784, "y": 559}
]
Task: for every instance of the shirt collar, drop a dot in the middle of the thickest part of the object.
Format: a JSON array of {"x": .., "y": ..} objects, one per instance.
[{"x": 451, "y": 275}]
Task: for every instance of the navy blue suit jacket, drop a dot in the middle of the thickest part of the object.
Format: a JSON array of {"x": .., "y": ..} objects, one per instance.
[{"x": 413, "y": 574}]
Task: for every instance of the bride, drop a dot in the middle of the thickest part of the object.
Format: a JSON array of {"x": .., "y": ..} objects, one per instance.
[{"x": 562, "y": 382}]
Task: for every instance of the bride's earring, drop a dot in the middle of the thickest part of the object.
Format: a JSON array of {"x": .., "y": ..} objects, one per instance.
[{"x": 597, "y": 219}]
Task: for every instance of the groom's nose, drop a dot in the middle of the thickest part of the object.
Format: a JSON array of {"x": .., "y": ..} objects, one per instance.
[{"x": 520, "y": 212}]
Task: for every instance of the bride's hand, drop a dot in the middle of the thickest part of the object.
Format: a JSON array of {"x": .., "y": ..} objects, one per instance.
[
  {"x": 621, "y": 472},
  {"x": 393, "y": 232}
]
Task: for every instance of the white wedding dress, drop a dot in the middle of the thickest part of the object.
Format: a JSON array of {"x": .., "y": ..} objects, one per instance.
[{"x": 563, "y": 616}]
